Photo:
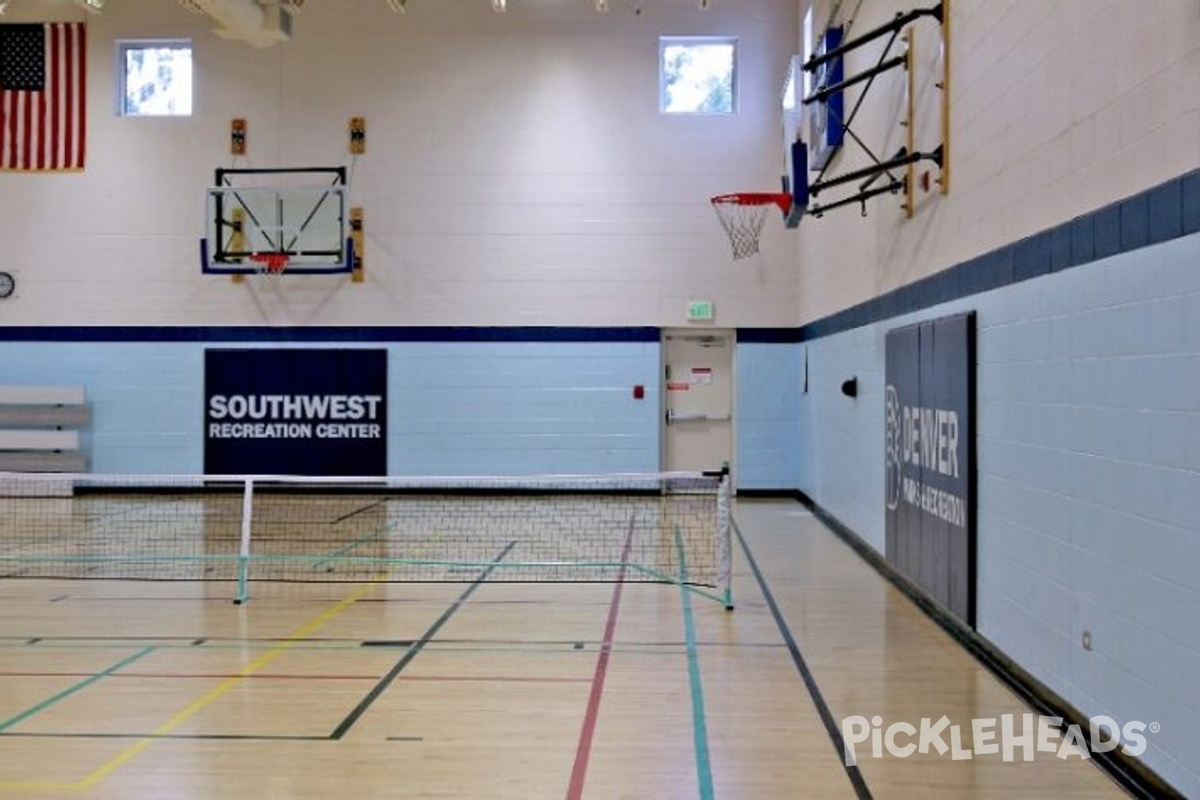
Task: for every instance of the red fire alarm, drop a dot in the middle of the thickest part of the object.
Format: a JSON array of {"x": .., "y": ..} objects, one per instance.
[{"x": 639, "y": 392}]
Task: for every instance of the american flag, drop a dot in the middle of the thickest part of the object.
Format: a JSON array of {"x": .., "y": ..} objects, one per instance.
[{"x": 42, "y": 97}]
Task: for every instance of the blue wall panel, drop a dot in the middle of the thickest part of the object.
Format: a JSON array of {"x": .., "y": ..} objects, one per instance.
[
  {"x": 464, "y": 407},
  {"x": 523, "y": 407},
  {"x": 769, "y": 382}
]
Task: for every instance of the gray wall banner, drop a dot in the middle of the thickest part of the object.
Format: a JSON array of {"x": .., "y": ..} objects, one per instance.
[{"x": 929, "y": 453}]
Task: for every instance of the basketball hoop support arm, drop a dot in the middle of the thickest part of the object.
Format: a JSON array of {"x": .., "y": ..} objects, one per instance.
[
  {"x": 895, "y": 24},
  {"x": 828, "y": 91},
  {"x": 907, "y": 155},
  {"x": 892, "y": 187},
  {"x": 873, "y": 170}
]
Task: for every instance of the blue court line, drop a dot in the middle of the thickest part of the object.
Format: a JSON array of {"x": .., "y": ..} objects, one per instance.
[
  {"x": 699, "y": 725},
  {"x": 70, "y": 690}
]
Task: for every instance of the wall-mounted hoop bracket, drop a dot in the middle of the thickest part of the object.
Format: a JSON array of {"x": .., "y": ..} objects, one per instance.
[{"x": 880, "y": 168}]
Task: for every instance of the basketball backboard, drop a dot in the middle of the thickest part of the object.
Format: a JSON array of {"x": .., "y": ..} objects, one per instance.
[
  {"x": 826, "y": 117},
  {"x": 251, "y": 215}
]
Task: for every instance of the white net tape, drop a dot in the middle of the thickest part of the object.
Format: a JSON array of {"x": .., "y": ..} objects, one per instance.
[
  {"x": 743, "y": 222},
  {"x": 658, "y": 527}
]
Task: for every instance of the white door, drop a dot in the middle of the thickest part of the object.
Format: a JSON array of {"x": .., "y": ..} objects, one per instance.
[{"x": 698, "y": 395}]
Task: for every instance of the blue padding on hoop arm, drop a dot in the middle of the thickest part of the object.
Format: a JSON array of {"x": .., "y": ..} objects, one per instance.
[{"x": 799, "y": 184}]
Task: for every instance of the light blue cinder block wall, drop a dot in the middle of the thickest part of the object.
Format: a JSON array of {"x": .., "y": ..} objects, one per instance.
[
  {"x": 1088, "y": 445},
  {"x": 146, "y": 398},
  {"x": 454, "y": 408},
  {"x": 520, "y": 408},
  {"x": 769, "y": 383}
]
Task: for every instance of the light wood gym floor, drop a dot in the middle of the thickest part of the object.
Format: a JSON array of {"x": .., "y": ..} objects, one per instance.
[{"x": 499, "y": 690}]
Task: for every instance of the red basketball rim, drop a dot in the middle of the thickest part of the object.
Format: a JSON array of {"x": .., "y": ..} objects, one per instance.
[{"x": 784, "y": 201}]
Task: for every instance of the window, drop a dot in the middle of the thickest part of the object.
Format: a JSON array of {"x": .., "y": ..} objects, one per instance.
[
  {"x": 156, "y": 79},
  {"x": 696, "y": 75},
  {"x": 809, "y": 35}
]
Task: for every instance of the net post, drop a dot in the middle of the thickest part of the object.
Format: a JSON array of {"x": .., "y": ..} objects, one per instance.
[
  {"x": 724, "y": 538},
  {"x": 244, "y": 547}
]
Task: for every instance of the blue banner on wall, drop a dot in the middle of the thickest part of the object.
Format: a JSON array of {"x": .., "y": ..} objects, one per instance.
[{"x": 295, "y": 412}]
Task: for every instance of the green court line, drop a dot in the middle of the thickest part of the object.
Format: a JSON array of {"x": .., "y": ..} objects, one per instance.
[
  {"x": 699, "y": 725},
  {"x": 70, "y": 690},
  {"x": 298, "y": 635},
  {"x": 374, "y": 537}
]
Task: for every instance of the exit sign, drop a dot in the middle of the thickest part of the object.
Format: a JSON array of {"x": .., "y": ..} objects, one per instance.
[{"x": 701, "y": 311}]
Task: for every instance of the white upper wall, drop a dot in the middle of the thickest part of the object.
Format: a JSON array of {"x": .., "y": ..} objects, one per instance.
[
  {"x": 1056, "y": 109},
  {"x": 518, "y": 171}
]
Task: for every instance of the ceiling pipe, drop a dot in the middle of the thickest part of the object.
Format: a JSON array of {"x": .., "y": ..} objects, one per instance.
[{"x": 259, "y": 23}]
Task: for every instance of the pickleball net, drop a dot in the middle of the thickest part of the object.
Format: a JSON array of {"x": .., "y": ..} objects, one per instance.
[{"x": 660, "y": 527}]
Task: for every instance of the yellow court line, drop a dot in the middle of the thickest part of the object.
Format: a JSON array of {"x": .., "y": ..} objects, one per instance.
[
  {"x": 293, "y": 638},
  {"x": 134, "y": 750},
  {"x": 301, "y": 633}
]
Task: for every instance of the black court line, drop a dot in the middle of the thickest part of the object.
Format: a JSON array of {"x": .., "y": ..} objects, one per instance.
[
  {"x": 1125, "y": 771},
  {"x": 346, "y": 724},
  {"x": 356, "y": 512},
  {"x": 334, "y": 642},
  {"x": 831, "y": 726},
  {"x": 142, "y": 598}
]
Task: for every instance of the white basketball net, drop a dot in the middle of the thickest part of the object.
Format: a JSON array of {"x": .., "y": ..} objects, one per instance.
[
  {"x": 743, "y": 222},
  {"x": 269, "y": 265}
]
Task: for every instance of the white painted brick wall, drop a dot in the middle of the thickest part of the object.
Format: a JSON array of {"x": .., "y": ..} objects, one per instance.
[
  {"x": 1057, "y": 108},
  {"x": 518, "y": 170}
]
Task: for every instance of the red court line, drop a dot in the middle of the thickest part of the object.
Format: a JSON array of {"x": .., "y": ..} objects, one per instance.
[
  {"x": 258, "y": 676},
  {"x": 584, "y": 751},
  {"x": 489, "y": 679}
]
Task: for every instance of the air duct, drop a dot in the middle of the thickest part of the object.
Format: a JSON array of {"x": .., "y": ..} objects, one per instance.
[
  {"x": 258, "y": 24},
  {"x": 239, "y": 17}
]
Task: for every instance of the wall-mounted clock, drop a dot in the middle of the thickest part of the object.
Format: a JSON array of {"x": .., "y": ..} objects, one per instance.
[{"x": 8, "y": 285}]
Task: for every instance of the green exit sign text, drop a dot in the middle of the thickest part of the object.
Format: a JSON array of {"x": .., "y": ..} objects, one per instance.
[{"x": 701, "y": 311}]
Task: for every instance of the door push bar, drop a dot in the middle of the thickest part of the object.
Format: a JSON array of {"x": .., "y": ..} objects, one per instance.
[{"x": 673, "y": 417}]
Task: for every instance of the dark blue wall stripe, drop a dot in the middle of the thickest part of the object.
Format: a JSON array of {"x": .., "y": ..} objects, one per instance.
[
  {"x": 1107, "y": 232},
  {"x": 1165, "y": 212},
  {"x": 1165, "y": 209},
  {"x": 767, "y": 335},
  {"x": 247, "y": 333},
  {"x": 1190, "y": 187}
]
